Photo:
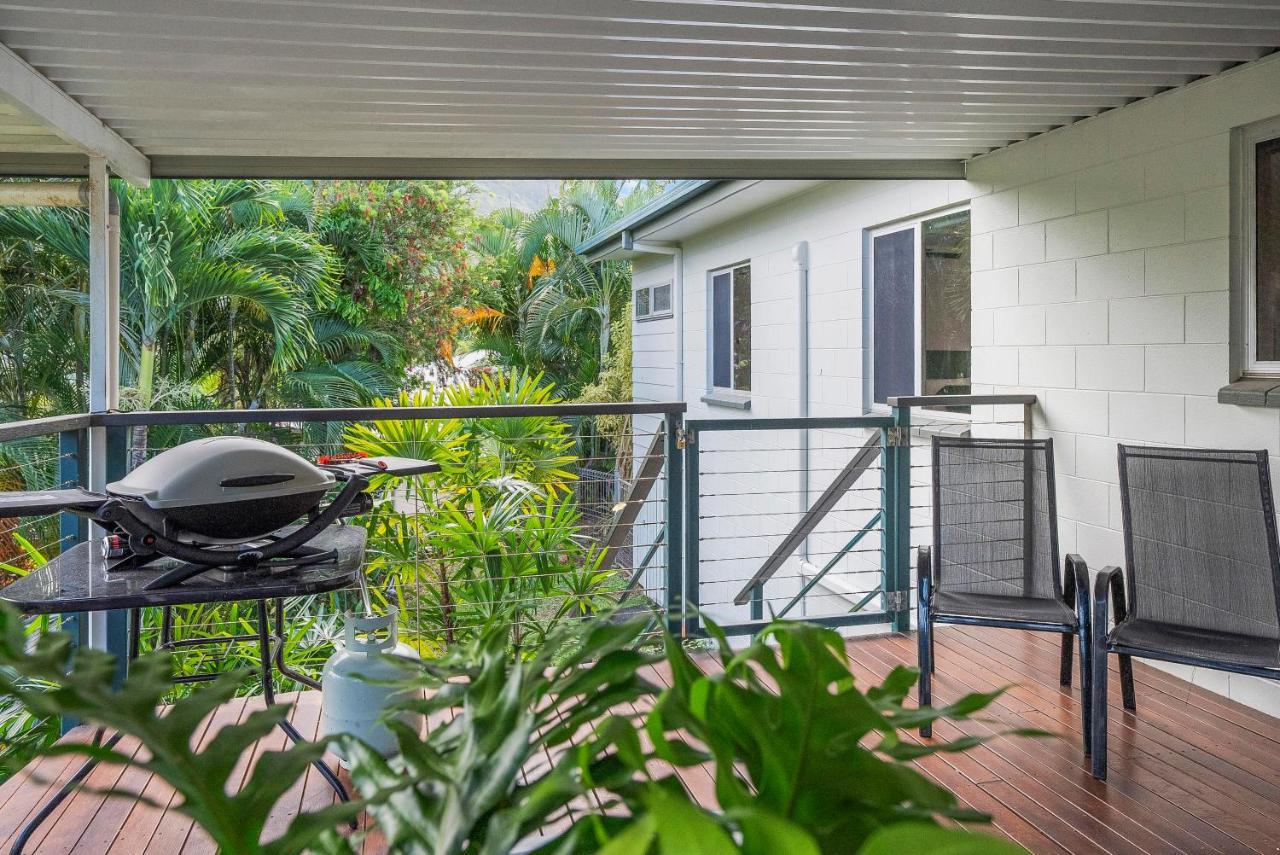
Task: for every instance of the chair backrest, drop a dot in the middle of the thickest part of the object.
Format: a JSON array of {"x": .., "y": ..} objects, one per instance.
[
  {"x": 995, "y": 517},
  {"x": 1200, "y": 538}
]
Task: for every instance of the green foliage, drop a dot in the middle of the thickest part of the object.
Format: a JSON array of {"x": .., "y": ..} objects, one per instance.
[
  {"x": 550, "y": 310},
  {"x": 78, "y": 683},
  {"x": 800, "y": 753},
  {"x": 472, "y": 785},
  {"x": 803, "y": 761},
  {"x": 495, "y": 536},
  {"x": 614, "y": 386},
  {"x": 404, "y": 257}
]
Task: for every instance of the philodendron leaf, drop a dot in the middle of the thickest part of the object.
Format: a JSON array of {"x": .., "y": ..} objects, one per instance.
[
  {"x": 636, "y": 839},
  {"x": 914, "y": 837},
  {"x": 685, "y": 828},
  {"x": 764, "y": 833}
]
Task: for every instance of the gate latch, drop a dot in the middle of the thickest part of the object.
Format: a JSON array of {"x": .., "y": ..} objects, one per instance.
[
  {"x": 684, "y": 438},
  {"x": 897, "y": 601}
]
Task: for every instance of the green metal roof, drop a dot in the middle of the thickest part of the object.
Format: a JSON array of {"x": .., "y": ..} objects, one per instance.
[{"x": 678, "y": 194}]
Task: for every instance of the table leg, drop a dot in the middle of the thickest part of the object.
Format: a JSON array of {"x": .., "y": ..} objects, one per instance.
[
  {"x": 267, "y": 657},
  {"x": 47, "y": 809},
  {"x": 281, "y": 665}
]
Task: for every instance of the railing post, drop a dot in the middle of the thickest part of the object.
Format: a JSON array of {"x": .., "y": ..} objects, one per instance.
[
  {"x": 897, "y": 530},
  {"x": 674, "y": 428},
  {"x": 757, "y": 602},
  {"x": 71, "y": 529},
  {"x": 118, "y": 619},
  {"x": 692, "y": 536}
]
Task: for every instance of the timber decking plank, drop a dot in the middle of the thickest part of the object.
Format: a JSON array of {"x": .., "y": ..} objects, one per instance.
[
  {"x": 1062, "y": 791},
  {"x": 1178, "y": 740},
  {"x": 1176, "y": 786},
  {"x": 1062, "y": 757},
  {"x": 1126, "y": 745}
]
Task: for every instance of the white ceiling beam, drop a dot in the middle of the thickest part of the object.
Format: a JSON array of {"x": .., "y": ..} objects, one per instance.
[
  {"x": 212, "y": 166},
  {"x": 39, "y": 99}
]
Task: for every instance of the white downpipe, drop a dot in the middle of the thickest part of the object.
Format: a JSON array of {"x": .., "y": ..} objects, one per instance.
[
  {"x": 800, "y": 256},
  {"x": 676, "y": 251}
]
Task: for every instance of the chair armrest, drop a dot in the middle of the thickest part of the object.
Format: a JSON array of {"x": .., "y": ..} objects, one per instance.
[
  {"x": 1075, "y": 587},
  {"x": 924, "y": 575},
  {"x": 1108, "y": 594}
]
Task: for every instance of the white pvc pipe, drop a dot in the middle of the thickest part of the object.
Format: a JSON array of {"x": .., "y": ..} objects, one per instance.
[{"x": 800, "y": 256}]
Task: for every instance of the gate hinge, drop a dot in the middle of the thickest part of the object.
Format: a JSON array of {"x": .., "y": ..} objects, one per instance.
[
  {"x": 896, "y": 436},
  {"x": 684, "y": 437},
  {"x": 897, "y": 601}
]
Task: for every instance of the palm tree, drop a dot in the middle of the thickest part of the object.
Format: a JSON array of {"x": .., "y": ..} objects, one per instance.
[
  {"x": 190, "y": 251},
  {"x": 554, "y": 308}
]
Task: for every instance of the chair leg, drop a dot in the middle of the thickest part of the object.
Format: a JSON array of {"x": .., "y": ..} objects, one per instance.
[
  {"x": 1098, "y": 707},
  {"x": 1064, "y": 677},
  {"x": 1126, "y": 683},
  {"x": 924, "y": 640},
  {"x": 1086, "y": 688}
]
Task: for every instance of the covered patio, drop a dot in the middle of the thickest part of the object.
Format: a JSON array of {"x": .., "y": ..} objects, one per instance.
[{"x": 1106, "y": 153}]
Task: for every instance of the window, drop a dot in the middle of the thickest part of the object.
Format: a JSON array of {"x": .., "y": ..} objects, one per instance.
[
  {"x": 920, "y": 307},
  {"x": 731, "y": 329},
  {"x": 653, "y": 301},
  {"x": 1260, "y": 267}
]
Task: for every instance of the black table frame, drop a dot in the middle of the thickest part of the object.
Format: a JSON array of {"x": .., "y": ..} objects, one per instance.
[{"x": 270, "y": 639}]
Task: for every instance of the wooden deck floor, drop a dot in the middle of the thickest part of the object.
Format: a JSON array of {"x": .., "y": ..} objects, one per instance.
[{"x": 1190, "y": 771}]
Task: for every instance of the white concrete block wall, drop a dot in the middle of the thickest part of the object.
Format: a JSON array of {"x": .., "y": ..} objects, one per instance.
[{"x": 1109, "y": 274}]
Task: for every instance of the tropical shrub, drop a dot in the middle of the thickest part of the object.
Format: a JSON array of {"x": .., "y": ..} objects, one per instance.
[{"x": 496, "y": 535}]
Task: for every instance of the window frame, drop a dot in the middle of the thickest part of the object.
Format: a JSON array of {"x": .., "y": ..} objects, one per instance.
[
  {"x": 915, "y": 223},
  {"x": 652, "y": 315},
  {"x": 1247, "y": 265},
  {"x": 712, "y": 388}
]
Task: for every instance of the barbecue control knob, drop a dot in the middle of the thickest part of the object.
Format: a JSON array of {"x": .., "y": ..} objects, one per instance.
[{"x": 249, "y": 558}]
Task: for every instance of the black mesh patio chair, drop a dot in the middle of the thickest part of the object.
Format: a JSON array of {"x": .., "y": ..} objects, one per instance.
[
  {"x": 994, "y": 560},
  {"x": 1201, "y": 575}
]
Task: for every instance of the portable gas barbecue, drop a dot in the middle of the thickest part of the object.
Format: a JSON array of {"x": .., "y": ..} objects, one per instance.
[{"x": 224, "y": 504}]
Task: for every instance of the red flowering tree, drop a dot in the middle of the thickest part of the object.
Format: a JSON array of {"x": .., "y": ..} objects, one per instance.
[{"x": 403, "y": 249}]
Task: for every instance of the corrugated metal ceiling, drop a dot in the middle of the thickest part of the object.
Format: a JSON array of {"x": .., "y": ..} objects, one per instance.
[{"x": 682, "y": 82}]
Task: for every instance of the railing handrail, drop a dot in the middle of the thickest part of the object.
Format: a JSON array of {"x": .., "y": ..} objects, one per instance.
[
  {"x": 43, "y": 427},
  {"x": 959, "y": 400},
  {"x": 366, "y": 414},
  {"x": 77, "y": 421}
]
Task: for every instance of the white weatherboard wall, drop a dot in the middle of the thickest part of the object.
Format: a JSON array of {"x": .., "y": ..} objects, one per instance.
[
  {"x": 750, "y": 485},
  {"x": 1101, "y": 273}
]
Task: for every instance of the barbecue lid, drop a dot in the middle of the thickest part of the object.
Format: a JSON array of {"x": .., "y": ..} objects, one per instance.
[{"x": 219, "y": 470}]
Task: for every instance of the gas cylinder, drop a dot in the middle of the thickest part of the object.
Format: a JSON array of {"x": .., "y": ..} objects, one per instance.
[{"x": 354, "y": 682}]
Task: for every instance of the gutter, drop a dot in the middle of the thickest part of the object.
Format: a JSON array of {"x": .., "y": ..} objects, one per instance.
[{"x": 675, "y": 197}]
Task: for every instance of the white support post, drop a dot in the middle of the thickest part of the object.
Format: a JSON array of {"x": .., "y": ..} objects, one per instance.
[{"x": 104, "y": 346}]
